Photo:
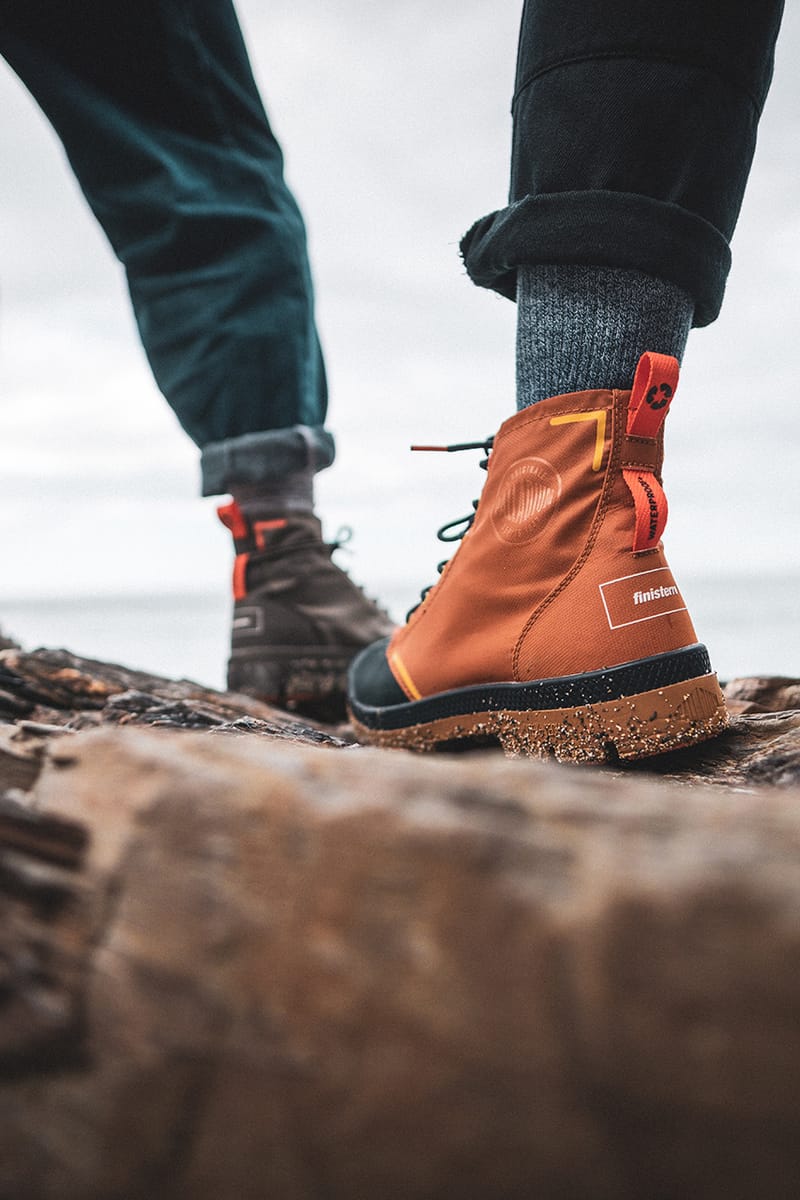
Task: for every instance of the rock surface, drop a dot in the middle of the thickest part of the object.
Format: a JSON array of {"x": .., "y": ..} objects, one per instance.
[
  {"x": 47, "y": 692},
  {"x": 242, "y": 958}
]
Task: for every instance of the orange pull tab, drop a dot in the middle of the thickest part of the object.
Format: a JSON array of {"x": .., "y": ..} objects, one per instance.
[
  {"x": 654, "y": 386},
  {"x": 651, "y": 508},
  {"x": 240, "y": 576},
  {"x": 233, "y": 518}
]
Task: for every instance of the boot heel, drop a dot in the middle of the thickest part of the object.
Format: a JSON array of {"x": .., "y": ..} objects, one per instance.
[
  {"x": 299, "y": 679},
  {"x": 638, "y": 726}
]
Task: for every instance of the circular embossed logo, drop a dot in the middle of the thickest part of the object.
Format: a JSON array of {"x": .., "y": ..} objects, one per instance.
[{"x": 529, "y": 493}]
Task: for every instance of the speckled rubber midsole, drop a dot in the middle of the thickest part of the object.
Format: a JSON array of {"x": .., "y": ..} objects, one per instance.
[
  {"x": 641, "y": 726},
  {"x": 650, "y": 722}
]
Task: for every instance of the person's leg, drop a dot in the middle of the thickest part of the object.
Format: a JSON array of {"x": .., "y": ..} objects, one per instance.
[
  {"x": 558, "y": 625},
  {"x": 625, "y": 240},
  {"x": 162, "y": 122},
  {"x": 634, "y": 130}
]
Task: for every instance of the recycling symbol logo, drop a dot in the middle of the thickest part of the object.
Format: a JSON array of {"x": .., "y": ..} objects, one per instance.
[{"x": 659, "y": 395}]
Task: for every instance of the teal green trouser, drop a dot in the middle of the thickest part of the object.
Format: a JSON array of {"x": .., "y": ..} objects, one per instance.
[{"x": 162, "y": 122}]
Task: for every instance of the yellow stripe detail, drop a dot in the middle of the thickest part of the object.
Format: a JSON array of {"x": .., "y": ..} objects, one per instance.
[
  {"x": 397, "y": 665},
  {"x": 600, "y": 440}
]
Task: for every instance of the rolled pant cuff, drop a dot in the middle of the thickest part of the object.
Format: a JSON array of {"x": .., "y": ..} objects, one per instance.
[
  {"x": 264, "y": 457},
  {"x": 601, "y": 229}
]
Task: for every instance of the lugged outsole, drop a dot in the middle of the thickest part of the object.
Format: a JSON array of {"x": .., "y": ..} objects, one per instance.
[
  {"x": 629, "y": 728},
  {"x": 308, "y": 683}
]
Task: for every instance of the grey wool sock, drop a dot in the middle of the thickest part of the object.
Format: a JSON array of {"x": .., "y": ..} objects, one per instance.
[
  {"x": 586, "y": 327},
  {"x": 288, "y": 493}
]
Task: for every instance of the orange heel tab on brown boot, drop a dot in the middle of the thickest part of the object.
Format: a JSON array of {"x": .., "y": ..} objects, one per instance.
[
  {"x": 233, "y": 519},
  {"x": 653, "y": 388},
  {"x": 240, "y": 576}
]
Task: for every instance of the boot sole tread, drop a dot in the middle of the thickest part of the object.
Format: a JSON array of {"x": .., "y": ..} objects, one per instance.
[{"x": 597, "y": 717}]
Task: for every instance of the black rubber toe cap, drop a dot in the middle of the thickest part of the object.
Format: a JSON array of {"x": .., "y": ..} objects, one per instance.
[{"x": 370, "y": 682}]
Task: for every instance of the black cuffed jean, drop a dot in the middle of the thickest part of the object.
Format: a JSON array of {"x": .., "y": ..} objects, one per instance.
[
  {"x": 634, "y": 130},
  {"x": 163, "y": 125}
]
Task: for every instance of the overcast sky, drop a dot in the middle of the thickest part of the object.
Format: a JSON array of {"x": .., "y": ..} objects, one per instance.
[{"x": 396, "y": 130}]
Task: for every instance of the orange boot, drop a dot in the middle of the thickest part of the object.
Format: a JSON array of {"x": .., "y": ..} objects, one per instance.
[{"x": 557, "y": 627}]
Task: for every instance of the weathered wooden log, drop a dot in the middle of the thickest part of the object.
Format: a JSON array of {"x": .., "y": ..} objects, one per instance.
[{"x": 232, "y": 967}]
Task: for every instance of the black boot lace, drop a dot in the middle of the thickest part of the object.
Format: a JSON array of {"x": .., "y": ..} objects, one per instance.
[{"x": 454, "y": 531}]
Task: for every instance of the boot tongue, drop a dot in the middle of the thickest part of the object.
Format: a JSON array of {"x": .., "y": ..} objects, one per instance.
[{"x": 653, "y": 388}]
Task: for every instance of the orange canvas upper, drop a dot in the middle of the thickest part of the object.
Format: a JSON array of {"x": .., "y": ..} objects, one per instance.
[{"x": 562, "y": 571}]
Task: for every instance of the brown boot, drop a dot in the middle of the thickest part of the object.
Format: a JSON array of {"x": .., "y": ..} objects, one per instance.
[
  {"x": 557, "y": 627},
  {"x": 298, "y": 619}
]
